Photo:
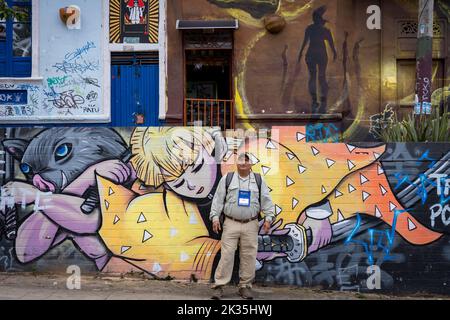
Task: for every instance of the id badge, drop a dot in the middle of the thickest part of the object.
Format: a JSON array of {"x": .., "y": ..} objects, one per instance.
[{"x": 244, "y": 198}]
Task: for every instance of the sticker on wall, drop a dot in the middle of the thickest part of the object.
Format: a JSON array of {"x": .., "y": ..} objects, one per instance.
[
  {"x": 134, "y": 21},
  {"x": 71, "y": 16}
]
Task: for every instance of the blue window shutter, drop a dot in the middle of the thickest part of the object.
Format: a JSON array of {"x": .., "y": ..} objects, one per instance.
[{"x": 11, "y": 66}]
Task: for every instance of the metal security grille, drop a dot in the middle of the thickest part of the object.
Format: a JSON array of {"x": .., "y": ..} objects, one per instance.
[{"x": 131, "y": 58}]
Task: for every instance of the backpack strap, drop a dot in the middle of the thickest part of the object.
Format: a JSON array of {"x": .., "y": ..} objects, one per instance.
[
  {"x": 230, "y": 176},
  {"x": 227, "y": 184},
  {"x": 258, "y": 182}
]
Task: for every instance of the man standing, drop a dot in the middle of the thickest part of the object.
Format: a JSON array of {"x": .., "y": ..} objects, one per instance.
[{"x": 241, "y": 198}]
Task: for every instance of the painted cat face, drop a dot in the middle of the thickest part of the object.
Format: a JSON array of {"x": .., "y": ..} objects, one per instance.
[{"x": 57, "y": 156}]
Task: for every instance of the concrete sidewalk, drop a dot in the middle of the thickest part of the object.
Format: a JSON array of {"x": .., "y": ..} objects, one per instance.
[{"x": 26, "y": 286}]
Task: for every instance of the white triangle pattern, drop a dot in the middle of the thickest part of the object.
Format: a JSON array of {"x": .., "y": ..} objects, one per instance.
[
  {"x": 147, "y": 235},
  {"x": 184, "y": 256},
  {"x": 350, "y": 165},
  {"x": 363, "y": 179},
  {"x": 270, "y": 145},
  {"x": 300, "y": 136},
  {"x": 253, "y": 159},
  {"x": 156, "y": 267},
  {"x": 350, "y": 148},
  {"x": 294, "y": 203},
  {"x": 378, "y": 212},
  {"x": 278, "y": 210},
  {"x": 265, "y": 169},
  {"x": 411, "y": 225},
  {"x": 340, "y": 215},
  {"x": 380, "y": 170},
  {"x": 289, "y": 182},
  {"x": 290, "y": 155},
  {"x": 330, "y": 162},
  {"x": 124, "y": 249},
  {"x": 141, "y": 218},
  {"x": 365, "y": 195},
  {"x": 392, "y": 206}
]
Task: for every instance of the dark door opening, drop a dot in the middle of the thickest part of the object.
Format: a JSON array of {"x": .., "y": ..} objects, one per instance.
[
  {"x": 208, "y": 79},
  {"x": 208, "y": 74}
]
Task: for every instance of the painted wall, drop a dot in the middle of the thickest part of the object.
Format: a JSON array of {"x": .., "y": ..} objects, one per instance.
[
  {"x": 123, "y": 200},
  {"x": 360, "y": 83},
  {"x": 71, "y": 67}
]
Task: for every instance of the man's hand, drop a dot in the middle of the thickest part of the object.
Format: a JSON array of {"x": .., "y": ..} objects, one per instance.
[
  {"x": 266, "y": 226},
  {"x": 216, "y": 226}
]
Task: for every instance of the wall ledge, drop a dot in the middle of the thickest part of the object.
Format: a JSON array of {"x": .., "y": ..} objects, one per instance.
[
  {"x": 29, "y": 79},
  {"x": 290, "y": 117}
]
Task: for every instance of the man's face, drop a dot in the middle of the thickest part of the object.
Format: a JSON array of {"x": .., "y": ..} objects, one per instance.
[{"x": 243, "y": 164}]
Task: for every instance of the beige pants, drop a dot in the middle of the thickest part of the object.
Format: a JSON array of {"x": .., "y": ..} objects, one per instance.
[{"x": 247, "y": 236}]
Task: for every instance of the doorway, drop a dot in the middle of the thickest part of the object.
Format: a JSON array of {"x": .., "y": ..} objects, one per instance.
[
  {"x": 134, "y": 89},
  {"x": 208, "y": 94}
]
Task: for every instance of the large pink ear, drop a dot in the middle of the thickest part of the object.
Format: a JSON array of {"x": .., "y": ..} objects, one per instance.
[{"x": 15, "y": 147}]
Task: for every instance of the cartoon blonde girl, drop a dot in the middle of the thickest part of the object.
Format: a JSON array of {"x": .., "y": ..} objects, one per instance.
[{"x": 163, "y": 231}]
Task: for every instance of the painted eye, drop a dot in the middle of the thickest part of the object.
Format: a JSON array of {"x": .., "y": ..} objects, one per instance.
[
  {"x": 26, "y": 169},
  {"x": 62, "y": 151}
]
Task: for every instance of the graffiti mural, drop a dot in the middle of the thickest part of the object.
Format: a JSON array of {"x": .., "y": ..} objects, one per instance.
[
  {"x": 322, "y": 60},
  {"x": 138, "y": 199},
  {"x": 69, "y": 82}
]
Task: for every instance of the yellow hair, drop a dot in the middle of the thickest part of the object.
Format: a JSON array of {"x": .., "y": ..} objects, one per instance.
[{"x": 170, "y": 148}]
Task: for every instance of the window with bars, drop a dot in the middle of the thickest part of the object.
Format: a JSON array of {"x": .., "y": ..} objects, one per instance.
[{"x": 15, "y": 41}]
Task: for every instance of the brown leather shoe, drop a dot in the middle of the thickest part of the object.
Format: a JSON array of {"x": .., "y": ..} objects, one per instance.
[
  {"x": 218, "y": 293},
  {"x": 246, "y": 293}
]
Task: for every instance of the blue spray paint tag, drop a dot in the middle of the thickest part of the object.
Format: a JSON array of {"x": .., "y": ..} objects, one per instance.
[{"x": 244, "y": 198}]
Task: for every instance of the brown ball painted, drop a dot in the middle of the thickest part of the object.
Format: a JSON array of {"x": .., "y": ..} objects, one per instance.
[{"x": 274, "y": 23}]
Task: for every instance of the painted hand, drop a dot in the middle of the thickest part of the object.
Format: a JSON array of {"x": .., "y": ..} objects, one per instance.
[
  {"x": 23, "y": 193},
  {"x": 321, "y": 233},
  {"x": 272, "y": 229},
  {"x": 114, "y": 170}
]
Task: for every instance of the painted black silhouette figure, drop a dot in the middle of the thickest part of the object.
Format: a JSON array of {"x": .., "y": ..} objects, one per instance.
[{"x": 316, "y": 58}]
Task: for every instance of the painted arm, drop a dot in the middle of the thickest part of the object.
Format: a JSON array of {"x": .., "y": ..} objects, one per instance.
[
  {"x": 305, "y": 42},
  {"x": 114, "y": 170},
  {"x": 35, "y": 237},
  {"x": 62, "y": 209},
  {"x": 331, "y": 42},
  {"x": 65, "y": 211}
]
